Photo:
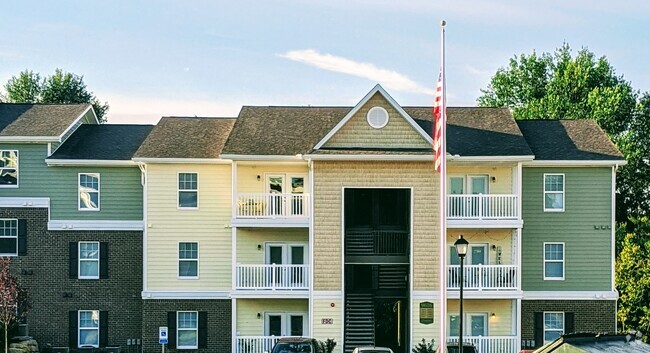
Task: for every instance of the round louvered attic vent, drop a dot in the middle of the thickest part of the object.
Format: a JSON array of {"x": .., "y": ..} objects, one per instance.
[{"x": 377, "y": 117}]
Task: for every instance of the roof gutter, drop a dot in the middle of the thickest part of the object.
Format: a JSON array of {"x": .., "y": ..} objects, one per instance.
[
  {"x": 369, "y": 157},
  {"x": 32, "y": 139},
  {"x": 181, "y": 160},
  {"x": 458, "y": 158},
  {"x": 261, "y": 157},
  {"x": 576, "y": 163},
  {"x": 90, "y": 162}
]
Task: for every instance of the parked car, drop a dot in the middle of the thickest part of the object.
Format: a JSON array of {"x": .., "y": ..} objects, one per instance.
[
  {"x": 452, "y": 347},
  {"x": 372, "y": 350},
  {"x": 296, "y": 345}
]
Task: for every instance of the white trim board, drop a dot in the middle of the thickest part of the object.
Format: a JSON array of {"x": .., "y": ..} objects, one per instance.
[
  {"x": 365, "y": 100},
  {"x": 95, "y": 225},
  {"x": 153, "y": 294},
  {"x": 90, "y": 162},
  {"x": 575, "y": 163},
  {"x": 327, "y": 294},
  {"x": 40, "y": 202},
  {"x": 569, "y": 295},
  {"x": 371, "y": 157},
  {"x": 182, "y": 160}
]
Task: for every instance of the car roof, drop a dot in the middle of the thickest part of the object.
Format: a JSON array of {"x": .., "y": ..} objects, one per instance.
[{"x": 294, "y": 339}]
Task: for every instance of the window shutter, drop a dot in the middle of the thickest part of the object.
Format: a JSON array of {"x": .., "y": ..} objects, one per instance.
[
  {"x": 103, "y": 260},
  {"x": 171, "y": 326},
  {"x": 22, "y": 237},
  {"x": 569, "y": 323},
  {"x": 539, "y": 329},
  {"x": 72, "y": 329},
  {"x": 103, "y": 328},
  {"x": 203, "y": 329},
  {"x": 74, "y": 264}
]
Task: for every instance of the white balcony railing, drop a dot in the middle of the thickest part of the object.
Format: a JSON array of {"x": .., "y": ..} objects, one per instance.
[
  {"x": 272, "y": 205},
  {"x": 490, "y": 344},
  {"x": 483, "y": 277},
  {"x": 272, "y": 277},
  {"x": 482, "y": 207},
  {"x": 255, "y": 344}
]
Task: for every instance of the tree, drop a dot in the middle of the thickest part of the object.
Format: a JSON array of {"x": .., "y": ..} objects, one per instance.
[
  {"x": 562, "y": 86},
  {"x": 633, "y": 277},
  {"x": 14, "y": 301},
  {"x": 59, "y": 88}
]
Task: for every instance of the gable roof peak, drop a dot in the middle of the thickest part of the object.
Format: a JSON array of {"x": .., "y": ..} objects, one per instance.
[{"x": 377, "y": 89}]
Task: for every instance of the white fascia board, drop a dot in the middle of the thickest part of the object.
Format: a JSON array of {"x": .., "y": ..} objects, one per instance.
[
  {"x": 153, "y": 294},
  {"x": 90, "y": 162},
  {"x": 570, "y": 295},
  {"x": 95, "y": 225},
  {"x": 253, "y": 294},
  {"x": 90, "y": 108},
  {"x": 575, "y": 163},
  {"x": 40, "y": 202},
  {"x": 456, "y": 158},
  {"x": 29, "y": 139},
  {"x": 253, "y": 157},
  {"x": 365, "y": 100},
  {"x": 513, "y": 294},
  {"x": 369, "y": 157},
  {"x": 182, "y": 160},
  {"x": 433, "y": 295},
  {"x": 327, "y": 294}
]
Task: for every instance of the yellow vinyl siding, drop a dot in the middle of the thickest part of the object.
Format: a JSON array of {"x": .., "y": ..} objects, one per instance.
[
  {"x": 323, "y": 309},
  {"x": 503, "y": 238},
  {"x": 502, "y": 184},
  {"x": 247, "y": 175},
  {"x": 398, "y": 133},
  {"x": 499, "y": 325},
  {"x": 247, "y": 309},
  {"x": 331, "y": 177},
  {"x": 208, "y": 225},
  {"x": 428, "y": 332},
  {"x": 248, "y": 240}
]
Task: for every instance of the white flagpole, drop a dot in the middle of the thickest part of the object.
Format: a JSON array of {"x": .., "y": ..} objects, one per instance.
[{"x": 443, "y": 197}]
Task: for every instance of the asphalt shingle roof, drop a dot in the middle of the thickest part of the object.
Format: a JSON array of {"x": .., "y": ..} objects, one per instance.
[
  {"x": 103, "y": 142},
  {"x": 580, "y": 139},
  {"x": 186, "y": 137},
  {"x": 49, "y": 120},
  {"x": 285, "y": 131},
  {"x": 474, "y": 131}
]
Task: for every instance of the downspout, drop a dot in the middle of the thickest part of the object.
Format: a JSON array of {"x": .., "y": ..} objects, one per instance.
[
  {"x": 145, "y": 225},
  {"x": 310, "y": 167}
]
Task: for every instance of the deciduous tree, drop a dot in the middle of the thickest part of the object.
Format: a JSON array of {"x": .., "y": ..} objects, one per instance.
[
  {"x": 59, "y": 88},
  {"x": 14, "y": 301}
]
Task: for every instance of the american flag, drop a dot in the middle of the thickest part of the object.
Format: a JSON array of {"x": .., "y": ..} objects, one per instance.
[{"x": 437, "y": 125}]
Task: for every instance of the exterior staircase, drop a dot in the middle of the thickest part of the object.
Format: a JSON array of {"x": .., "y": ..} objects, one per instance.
[{"x": 359, "y": 321}]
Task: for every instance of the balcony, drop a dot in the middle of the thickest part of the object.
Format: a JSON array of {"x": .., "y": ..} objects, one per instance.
[
  {"x": 271, "y": 209},
  {"x": 273, "y": 278},
  {"x": 489, "y": 344},
  {"x": 483, "y": 277},
  {"x": 479, "y": 210},
  {"x": 255, "y": 344}
]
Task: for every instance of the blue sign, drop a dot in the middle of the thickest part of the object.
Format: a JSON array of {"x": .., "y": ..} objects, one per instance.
[{"x": 162, "y": 335}]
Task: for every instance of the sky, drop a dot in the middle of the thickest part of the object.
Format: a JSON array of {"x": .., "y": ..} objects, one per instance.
[{"x": 150, "y": 59}]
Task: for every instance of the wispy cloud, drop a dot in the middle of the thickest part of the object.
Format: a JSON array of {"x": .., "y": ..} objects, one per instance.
[{"x": 388, "y": 78}]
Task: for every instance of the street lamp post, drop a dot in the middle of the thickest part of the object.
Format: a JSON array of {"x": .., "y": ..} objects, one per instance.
[{"x": 461, "y": 249}]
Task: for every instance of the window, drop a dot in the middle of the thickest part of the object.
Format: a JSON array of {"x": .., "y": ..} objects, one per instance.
[
  {"x": 187, "y": 330},
  {"x": 377, "y": 117},
  {"x": 88, "y": 192},
  {"x": 553, "y": 326},
  {"x": 8, "y": 237},
  {"x": 88, "y": 328},
  {"x": 88, "y": 260},
  {"x": 188, "y": 190},
  {"x": 8, "y": 168},
  {"x": 553, "y": 261},
  {"x": 188, "y": 260},
  {"x": 554, "y": 192}
]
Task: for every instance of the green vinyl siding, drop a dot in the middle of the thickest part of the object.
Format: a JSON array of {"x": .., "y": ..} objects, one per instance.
[
  {"x": 587, "y": 250},
  {"x": 120, "y": 188}
]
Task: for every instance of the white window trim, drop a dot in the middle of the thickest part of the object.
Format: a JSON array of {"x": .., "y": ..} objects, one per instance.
[
  {"x": 17, "y": 170},
  {"x": 178, "y": 191},
  {"x": 467, "y": 182},
  {"x": 99, "y": 194},
  {"x": 79, "y": 328},
  {"x": 11, "y": 237},
  {"x": 178, "y": 268},
  {"x": 544, "y": 324},
  {"x": 179, "y": 329},
  {"x": 563, "y": 192},
  {"x": 79, "y": 259},
  {"x": 467, "y": 321},
  {"x": 563, "y": 261}
]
